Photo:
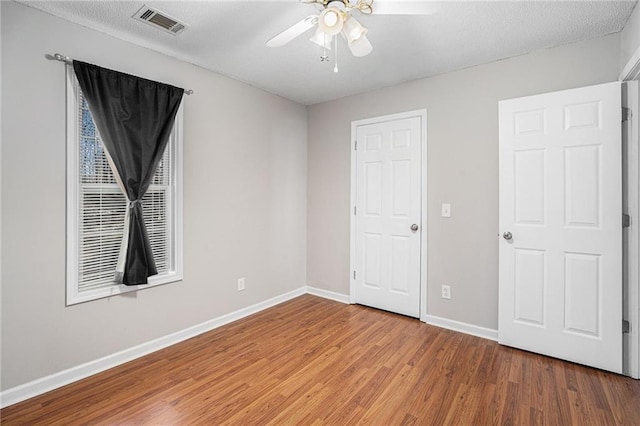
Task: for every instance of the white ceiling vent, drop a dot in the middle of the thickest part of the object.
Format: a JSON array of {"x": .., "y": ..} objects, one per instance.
[{"x": 159, "y": 20}]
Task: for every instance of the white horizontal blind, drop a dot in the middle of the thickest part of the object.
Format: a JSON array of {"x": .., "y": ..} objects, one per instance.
[{"x": 102, "y": 209}]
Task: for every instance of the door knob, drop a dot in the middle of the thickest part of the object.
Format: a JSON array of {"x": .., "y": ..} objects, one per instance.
[
  {"x": 414, "y": 227},
  {"x": 507, "y": 236}
]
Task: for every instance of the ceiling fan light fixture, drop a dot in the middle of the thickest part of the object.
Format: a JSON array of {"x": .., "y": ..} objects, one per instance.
[
  {"x": 353, "y": 30},
  {"x": 322, "y": 39},
  {"x": 331, "y": 21},
  {"x": 360, "y": 47}
]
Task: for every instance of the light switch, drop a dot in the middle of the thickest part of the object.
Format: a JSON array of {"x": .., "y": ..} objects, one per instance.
[{"x": 446, "y": 210}]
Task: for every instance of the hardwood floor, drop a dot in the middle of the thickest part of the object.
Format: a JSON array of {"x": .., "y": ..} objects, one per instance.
[{"x": 314, "y": 361}]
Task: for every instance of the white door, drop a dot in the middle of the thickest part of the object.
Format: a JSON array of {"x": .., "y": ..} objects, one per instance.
[
  {"x": 388, "y": 217},
  {"x": 561, "y": 225}
]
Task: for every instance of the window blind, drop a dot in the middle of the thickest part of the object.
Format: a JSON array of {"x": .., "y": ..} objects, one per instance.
[{"x": 102, "y": 208}]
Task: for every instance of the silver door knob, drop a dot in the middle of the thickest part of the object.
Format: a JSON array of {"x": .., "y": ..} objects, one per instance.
[
  {"x": 414, "y": 227},
  {"x": 507, "y": 236}
]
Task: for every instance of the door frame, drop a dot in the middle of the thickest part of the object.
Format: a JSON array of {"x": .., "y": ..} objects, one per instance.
[
  {"x": 631, "y": 186},
  {"x": 631, "y": 73},
  {"x": 422, "y": 114}
]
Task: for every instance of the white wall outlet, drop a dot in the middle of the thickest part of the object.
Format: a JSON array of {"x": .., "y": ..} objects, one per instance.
[
  {"x": 446, "y": 292},
  {"x": 240, "y": 284},
  {"x": 446, "y": 210}
]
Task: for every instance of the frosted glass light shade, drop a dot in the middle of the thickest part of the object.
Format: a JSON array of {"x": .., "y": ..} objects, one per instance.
[
  {"x": 331, "y": 21},
  {"x": 322, "y": 39},
  {"x": 352, "y": 30},
  {"x": 361, "y": 46}
]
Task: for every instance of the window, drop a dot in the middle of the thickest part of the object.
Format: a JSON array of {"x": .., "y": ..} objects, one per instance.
[{"x": 96, "y": 208}]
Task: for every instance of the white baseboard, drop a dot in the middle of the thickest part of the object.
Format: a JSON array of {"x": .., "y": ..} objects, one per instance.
[
  {"x": 331, "y": 295},
  {"x": 463, "y": 327},
  {"x": 37, "y": 387}
]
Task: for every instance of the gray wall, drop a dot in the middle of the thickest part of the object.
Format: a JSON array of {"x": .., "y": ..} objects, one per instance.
[
  {"x": 244, "y": 201},
  {"x": 462, "y": 169}
]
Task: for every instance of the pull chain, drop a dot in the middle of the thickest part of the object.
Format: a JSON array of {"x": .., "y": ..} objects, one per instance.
[
  {"x": 335, "y": 46},
  {"x": 325, "y": 56}
]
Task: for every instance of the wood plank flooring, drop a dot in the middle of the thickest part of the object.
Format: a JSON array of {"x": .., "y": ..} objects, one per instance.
[{"x": 317, "y": 362}]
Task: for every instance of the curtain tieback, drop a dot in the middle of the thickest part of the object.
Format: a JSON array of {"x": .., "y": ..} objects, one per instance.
[{"x": 134, "y": 202}]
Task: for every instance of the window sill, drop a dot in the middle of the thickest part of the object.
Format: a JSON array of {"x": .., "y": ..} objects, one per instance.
[{"x": 89, "y": 295}]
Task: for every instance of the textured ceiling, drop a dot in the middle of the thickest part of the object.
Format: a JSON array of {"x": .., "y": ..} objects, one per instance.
[{"x": 229, "y": 37}]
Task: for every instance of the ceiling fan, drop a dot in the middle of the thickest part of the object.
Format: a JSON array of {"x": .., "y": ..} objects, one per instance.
[{"x": 335, "y": 18}]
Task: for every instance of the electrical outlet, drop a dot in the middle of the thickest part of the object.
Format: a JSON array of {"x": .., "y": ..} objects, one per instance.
[
  {"x": 446, "y": 292},
  {"x": 240, "y": 284}
]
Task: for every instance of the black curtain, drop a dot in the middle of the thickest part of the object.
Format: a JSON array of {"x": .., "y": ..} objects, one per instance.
[{"x": 134, "y": 117}]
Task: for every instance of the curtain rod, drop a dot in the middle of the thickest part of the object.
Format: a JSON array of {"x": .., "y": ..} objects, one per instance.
[{"x": 69, "y": 61}]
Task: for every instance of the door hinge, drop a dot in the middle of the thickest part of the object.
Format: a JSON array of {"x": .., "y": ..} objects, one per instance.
[
  {"x": 355, "y": 210},
  {"x": 626, "y": 221},
  {"x": 626, "y": 114},
  {"x": 354, "y": 275},
  {"x": 626, "y": 327},
  {"x": 355, "y": 145}
]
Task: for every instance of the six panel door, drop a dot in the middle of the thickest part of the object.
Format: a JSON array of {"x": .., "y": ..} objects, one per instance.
[
  {"x": 560, "y": 250},
  {"x": 388, "y": 188}
]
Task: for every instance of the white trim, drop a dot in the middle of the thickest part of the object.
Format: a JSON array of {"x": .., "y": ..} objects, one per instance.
[
  {"x": 178, "y": 193},
  {"x": 352, "y": 218},
  {"x": 424, "y": 234},
  {"x": 1, "y": 257},
  {"x": 632, "y": 234},
  {"x": 631, "y": 71},
  {"x": 45, "y": 384},
  {"x": 331, "y": 295},
  {"x": 48, "y": 383},
  {"x": 463, "y": 327},
  {"x": 422, "y": 114},
  {"x": 72, "y": 186}
]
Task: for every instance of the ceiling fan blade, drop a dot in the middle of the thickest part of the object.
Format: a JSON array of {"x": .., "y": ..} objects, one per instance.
[
  {"x": 400, "y": 7},
  {"x": 294, "y": 31}
]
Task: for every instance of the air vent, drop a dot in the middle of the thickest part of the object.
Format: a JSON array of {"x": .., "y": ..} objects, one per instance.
[{"x": 159, "y": 20}]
